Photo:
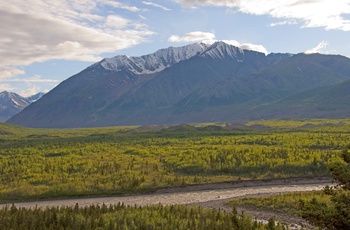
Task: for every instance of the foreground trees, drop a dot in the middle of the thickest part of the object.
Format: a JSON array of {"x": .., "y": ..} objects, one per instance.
[
  {"x": 336, "y": 214},
  {"x": 128, "y": 217}
]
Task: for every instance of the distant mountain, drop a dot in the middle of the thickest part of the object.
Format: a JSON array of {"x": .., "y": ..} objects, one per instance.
[
  {"x": 35, "y": 97},
  {"x": 194, "y": 83},
  {"x": 11, "y": 104}
]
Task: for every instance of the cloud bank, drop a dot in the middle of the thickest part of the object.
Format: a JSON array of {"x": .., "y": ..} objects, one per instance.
[
  {"x": 206, "y": 37},
  {"x": 328, "y": 14},
  {"x": 38, "y": 30}
]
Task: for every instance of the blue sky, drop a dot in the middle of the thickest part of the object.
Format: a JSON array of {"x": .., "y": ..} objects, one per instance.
[{"x": 45, "y": 42}]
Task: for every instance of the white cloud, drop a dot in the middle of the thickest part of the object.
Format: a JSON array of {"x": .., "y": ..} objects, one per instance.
[
  {"x": 156, "y": 5},
  {"x": 30, "y": 91},
  {"x": 192, "y": 37},
  {"x": 209, "y": 38},
  {"x": 247, "y": 46},
  {"x": 142, "y": 17},
  {"x": 38, "y": 30},
  {"x": 318, "y": 49},
  {"x": 34, "y": 79},
  {"x": 311, "y": 13},
  {"x": 286, "y": 22},
  {"x": 6, "y": 87},
  {"x": 121, "y": 6},
  {"x": 7, "y": 71},
  {"x": 228, "y": 3},
  {"x": 31, "y": 87},
  {"x": 117, "y": 21}
]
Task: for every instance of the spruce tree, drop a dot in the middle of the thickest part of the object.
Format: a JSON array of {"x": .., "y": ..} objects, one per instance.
[{"x": 336, "y": 215}]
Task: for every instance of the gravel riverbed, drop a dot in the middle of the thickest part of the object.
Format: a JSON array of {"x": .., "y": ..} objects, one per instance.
[{"x": 208, "y": 195}]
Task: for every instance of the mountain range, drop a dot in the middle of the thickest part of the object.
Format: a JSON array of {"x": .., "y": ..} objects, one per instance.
[
  {"x": 12, "y": 103},
  {"x": 195, "y": 83}
]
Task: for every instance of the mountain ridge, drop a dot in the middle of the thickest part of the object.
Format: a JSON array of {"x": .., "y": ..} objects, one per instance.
[
  {"x": 194, "y": 84},
  {"x": 154, "y": 62}
]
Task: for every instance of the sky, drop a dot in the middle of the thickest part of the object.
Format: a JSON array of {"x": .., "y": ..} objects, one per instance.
[{"x": 42, "y": 43}]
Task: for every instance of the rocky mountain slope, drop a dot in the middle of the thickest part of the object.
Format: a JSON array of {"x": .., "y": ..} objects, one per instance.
[
  {"x": 194, "y": 83},
  {"x": 11, "y": 104}
]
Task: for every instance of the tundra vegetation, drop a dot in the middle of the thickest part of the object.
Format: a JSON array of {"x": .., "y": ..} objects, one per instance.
[{"x": 48, "y": 163}]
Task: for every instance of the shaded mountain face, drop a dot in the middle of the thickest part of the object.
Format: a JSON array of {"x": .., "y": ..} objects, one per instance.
[
  {"x": 11, "y": 104},
  {"x": 194, "y": 83},
  {"x": 327, "y": 101}
]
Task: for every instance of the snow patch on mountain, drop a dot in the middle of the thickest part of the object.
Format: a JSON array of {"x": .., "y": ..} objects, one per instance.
[
  {"x": 161, "y": 59},
  {"x": 154, "y": 62},
  {"x": 35, "y": 97},
  {"x": 220, "y": 50},
  {"x": 8, "y": 99},
  {"x": 12, "y": 103}
]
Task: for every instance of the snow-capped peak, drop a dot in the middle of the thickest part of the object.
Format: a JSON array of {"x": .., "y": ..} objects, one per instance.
[
  {"x": 161, "y": 59},
  {"x": 154, "y": 62},
  {"x": 13, "y": 99},
  {"x": 221, "y": 50}
]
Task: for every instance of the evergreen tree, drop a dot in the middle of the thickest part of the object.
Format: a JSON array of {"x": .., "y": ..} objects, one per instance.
[{"x": 337, "y": 214}]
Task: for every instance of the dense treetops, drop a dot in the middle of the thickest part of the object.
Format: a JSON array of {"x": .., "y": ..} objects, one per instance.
[{"x": 121, "y": 217}]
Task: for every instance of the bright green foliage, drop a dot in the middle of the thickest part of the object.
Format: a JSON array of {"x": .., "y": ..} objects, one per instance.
[
  {"x": 127, "y": 217},
  {"x": 39, "y": 163},
  {"x": 336, "y": 214}
]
